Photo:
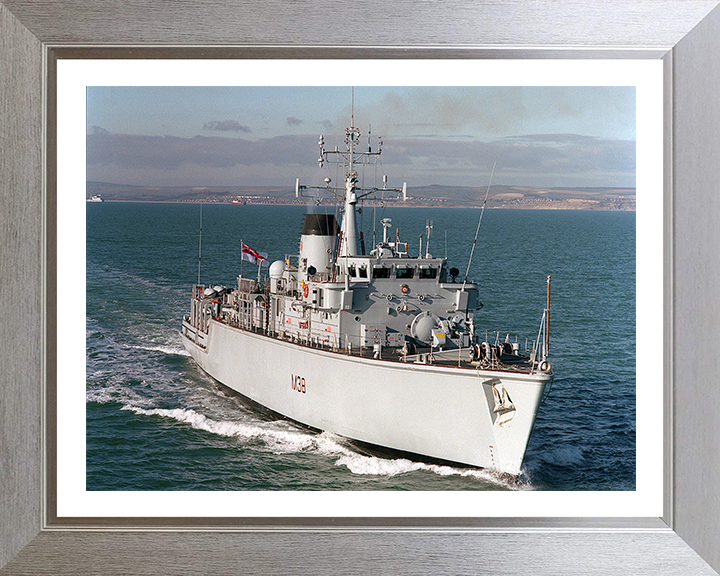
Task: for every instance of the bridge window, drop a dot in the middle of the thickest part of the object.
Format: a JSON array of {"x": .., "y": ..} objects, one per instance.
[
  {"x": 363, "y": 272},
  {"x": 428, "y": 273},
  {"x": 351, "y": 270},
  {"x": 404, "y": 272},
  {"x": 381, "y": 272}
]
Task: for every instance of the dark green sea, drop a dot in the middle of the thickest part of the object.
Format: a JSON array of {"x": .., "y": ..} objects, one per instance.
[{"x": 155, "y": 421}]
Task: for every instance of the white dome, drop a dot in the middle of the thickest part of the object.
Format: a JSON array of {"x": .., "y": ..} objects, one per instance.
[
  {"x": 422, "y": 326},
  {"x": 277, "y": 268}
]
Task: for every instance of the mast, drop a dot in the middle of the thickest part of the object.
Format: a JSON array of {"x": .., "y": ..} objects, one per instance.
[
  {"x": 349, "y": 224},
  {"x": 350, "y": 193},
  {"x": 200, "y": 245},
  {"x": 547, "y": 318}
]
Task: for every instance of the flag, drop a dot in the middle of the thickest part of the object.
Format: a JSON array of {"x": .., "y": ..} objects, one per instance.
[{"x": 252, "y": 256}]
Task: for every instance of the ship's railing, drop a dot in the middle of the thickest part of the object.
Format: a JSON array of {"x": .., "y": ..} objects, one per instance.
[
  {"x": 540, "y": 350},
  {"x": 250, "y": 311},
  {"x": 321, "y": 277},
  {"x": 245, "y": 310},
  {"x": 292, "y": 260},
  {"x": 245, "y": 285},
  {"x": 507, "y": 353},
  {"x": 327, "y": 340},
  {"x": 364, "y": 346},
  {"x": 251, "y": 285},
  {"x": 354, "y": 345},
  {"x": 193, "y": 333}
]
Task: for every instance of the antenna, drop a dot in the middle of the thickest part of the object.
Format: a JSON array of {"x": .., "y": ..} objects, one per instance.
[
  {"x": 428, "y": 227},
  {"x": 547, "y": 320},
  {"x": 200, "y": 245},
  {"x": 472, "y": 250}
]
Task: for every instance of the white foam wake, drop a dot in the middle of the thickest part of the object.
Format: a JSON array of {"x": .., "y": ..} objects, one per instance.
[
  {"x": 278, "y": 437},
  {"x": 164, "y": 349},
  {"x": 202, "y": 422},
  {"x": 281, "y": 438},
  {"x": 370, "y": 465}
]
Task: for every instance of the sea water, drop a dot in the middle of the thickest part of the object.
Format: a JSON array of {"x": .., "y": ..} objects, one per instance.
[{"x": 156, "y": 421}]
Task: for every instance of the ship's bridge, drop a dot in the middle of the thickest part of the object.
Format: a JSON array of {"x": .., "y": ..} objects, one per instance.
[{"x": 368, "y": 268}]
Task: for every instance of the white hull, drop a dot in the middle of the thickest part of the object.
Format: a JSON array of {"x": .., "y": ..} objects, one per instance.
[{"x": 435, "y": 411}]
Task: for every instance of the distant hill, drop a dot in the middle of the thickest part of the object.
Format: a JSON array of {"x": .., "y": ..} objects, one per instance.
[
  {"x": 446, "y": 196},
  {"x": 208, "y": 194}
]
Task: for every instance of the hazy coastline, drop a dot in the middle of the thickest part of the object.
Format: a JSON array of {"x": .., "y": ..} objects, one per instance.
[{"x": 500, "y": 196}]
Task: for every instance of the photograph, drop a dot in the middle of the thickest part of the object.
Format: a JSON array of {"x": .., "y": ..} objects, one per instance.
[
  {"x": 431, "y": 284},
  {"x": 404, "y": 288}
]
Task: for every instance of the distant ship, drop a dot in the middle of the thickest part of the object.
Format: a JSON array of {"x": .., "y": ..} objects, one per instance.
[
  {"x": 381, "y": 348},
  {"x": 95, "y": 198}
]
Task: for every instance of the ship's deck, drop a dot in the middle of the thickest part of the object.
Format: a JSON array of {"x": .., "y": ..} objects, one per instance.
[{"x": 456, "y": 358}]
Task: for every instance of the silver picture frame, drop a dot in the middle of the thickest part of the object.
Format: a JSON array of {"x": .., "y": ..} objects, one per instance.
[{"x": 685, "y": 34}]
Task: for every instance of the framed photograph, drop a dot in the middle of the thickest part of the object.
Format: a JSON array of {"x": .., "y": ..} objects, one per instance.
[{"x": 72, "y": 498}]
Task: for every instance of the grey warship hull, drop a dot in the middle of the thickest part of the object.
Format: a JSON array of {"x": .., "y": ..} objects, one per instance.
[{"x": 433, "y": 410}]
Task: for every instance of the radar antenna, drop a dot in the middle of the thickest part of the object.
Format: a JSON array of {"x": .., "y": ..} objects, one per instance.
[{"x": 352, "y": 192}]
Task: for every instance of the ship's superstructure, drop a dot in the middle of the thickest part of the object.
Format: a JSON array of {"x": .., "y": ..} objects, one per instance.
[{"x": 379, "y": 347}]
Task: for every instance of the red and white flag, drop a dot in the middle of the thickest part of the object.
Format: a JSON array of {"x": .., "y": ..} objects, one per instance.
[{"x": 252, "y": 256}]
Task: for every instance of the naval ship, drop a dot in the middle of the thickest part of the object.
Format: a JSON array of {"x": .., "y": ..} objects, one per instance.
[{"x": 378, "y": 347}]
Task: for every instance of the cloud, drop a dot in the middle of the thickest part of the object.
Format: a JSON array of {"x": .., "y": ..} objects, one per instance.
[
  {"x": 171, "y": 152},
  {"x": 493, "y": 112},
  {"x": 563, "y": 159},
  {"x": 550, "y": 138},
  {"x": 565, "y": 154},
  {"x": 227, "y": 126},
  {"x": 326, "y": 124},
  {"x": 292, "y": 121}
]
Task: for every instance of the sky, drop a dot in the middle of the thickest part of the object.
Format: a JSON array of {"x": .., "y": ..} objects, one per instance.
[{"x": 268, "y": 136}]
